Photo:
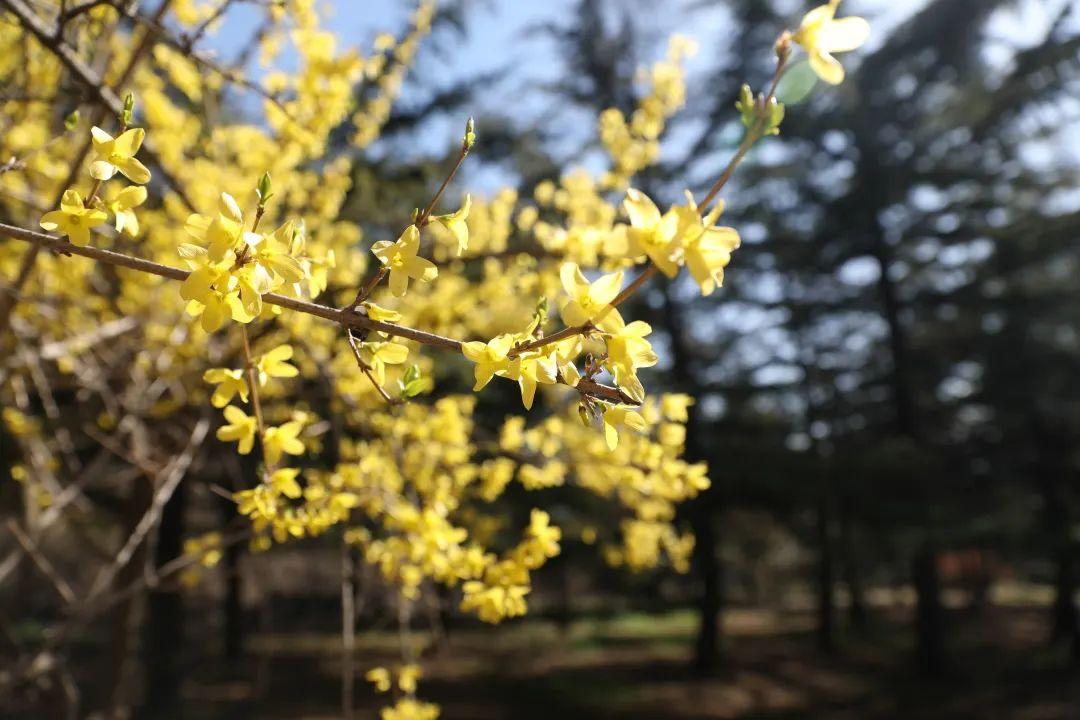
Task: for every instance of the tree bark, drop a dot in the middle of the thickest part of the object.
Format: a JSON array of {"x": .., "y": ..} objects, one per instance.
[
  {"x": 232, "y": 609},
  {"x": 710, "y": 601},
  {"x": 119, "y": 673},
  {"x": 165, "y": 618},
  {"x": 852, "y": 570},
  {"x": 826, "y": 626},
  {"x": 929, "y": 613}
]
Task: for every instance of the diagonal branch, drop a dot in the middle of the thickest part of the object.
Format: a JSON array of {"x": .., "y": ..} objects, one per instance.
[
  {"x": 89, "y": 79},
  {"x": 345, "y": 318}
]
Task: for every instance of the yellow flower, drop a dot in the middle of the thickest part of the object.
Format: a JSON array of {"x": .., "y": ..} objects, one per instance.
[
  {"x": 275, "y": 253},
  {"x": 400, "y": 257},
  {"x": 284, "y": 481},
  {"x": 675, "y": 407},
  {"x": 566, "y": 352},
  {"x": 821, "y": 35},
  {"x": 617, "y": 416},
  {"x": 490, "y": 358},
  {"x": 455, "y": 223},
  {"x": 494, "y": 604},
  {"x": 381, "y": 314},
  {"x": 118, "y": 154},
  {"x": 410, "y": 709},
  {"x": 282, "y": 439},
  {"x": 229, "y": 383},
  {"x": 200, "y": 290},
  {"x": 73, "y": 219},
  {"x": 627, "y": 350},
  {"x": 650, "y": 233},
  {"x": 241, "y": 428},
  {"x": 589, "y": 301},
  {"x": 221, "y": 233},
  {"x": 706, "y": 248},
  {"x": 544, "y": 534},
  {"x": 273, "y": 364},
  {"x": 122, "y": 207},
  {"x": 528, "y": 370},
  {"x": 407, "y": 677},
  {"x": 380, "y": 678},
  {"x": 379, "y": 354}
]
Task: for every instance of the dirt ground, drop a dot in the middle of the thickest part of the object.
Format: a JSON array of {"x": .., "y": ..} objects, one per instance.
[{"x": 636, "y": 667}]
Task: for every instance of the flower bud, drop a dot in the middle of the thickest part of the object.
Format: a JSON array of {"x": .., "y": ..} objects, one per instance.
[
  {"x": 470, "y": 136},
  {"x": 129, "y": 109}
]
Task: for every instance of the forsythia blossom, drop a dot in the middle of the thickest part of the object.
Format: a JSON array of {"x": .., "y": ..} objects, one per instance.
[
  {"x": 73, "y": 219},
  {"x": 589, "y": 301},
  {"x": 118, "y": 154},
  {"x": 821, "y": 35},
  {"x": 401, "y": 260},
  {"x": 651, "y": 233}
]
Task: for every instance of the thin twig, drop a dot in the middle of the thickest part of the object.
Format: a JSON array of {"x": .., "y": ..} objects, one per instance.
[
  {"x": 42, "y": 562},
  {"x": 173, "y": 475},
  {"x": 424, "y": 218}
]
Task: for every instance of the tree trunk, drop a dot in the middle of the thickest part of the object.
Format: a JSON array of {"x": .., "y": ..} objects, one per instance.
[
  {"x": 852, "y": 570},
  {"x": 710, "y": 602},
  {"x": 826, "y": 597},
  {"x": 165, "y": 618},
  {"x": 929, "y": 613},
  {"x": 702, "y": 511},
  {"x": 120, "y": 668},
  {"x": 232, "y": 609}
]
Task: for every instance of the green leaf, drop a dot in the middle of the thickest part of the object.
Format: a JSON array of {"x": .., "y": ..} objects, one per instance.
[{"x": 796, "y": 84}]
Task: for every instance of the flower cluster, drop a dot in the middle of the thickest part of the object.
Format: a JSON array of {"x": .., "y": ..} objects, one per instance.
[
  {"x": 77, "y": 215},
  {"x": 233, "y": 268}
]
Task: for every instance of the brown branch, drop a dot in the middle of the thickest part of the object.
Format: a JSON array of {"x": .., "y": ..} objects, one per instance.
[
  {"x": 26, "y": 267},
  {"x": 173, "y": 474},
  {"x": 588, "y": 327},
  {"x": 346, "y": 319},
  {"x": 90, "y": 80},
  {"x": 42, "y": 562}
]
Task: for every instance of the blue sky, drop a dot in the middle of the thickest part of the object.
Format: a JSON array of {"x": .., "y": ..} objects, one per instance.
[{"x": 501, "y": 34}]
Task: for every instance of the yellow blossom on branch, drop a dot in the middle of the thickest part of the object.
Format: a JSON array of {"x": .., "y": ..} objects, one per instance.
[
  {"x": 651, "y": 233},
  {"x": 401, "y": 260},
  {"x": 620, "y": 416},
  {"x": 628, "y": 350},
  {"x": 490, "y": 358},
  {"x": 589, "y": 301},
  {"x": 73, "y": 219},
  {"x": 706, "y": 248},
  {"x": 229, "y": 383},
  {"x": 118, "y": 154},
  {"x": 123, "y": 205},
  {"x": 240, "y": 428},
  {"x": 274, "y": 363},
  {"x": 282, "y": 439},
  {"x": 821, "y": 35},
  {"x": 455, "y": 223}
]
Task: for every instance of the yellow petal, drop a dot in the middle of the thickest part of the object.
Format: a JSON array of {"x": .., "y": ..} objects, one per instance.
[
  {"x": 134, "y": 170},
  {"x": 101, "y": 170},
  {"x": 604, "y": 290},
  {"x": 641, "y": 210},
  {"x": 129, "y": 143},
  {"x": 843, "y": 35},
  {"x": 827, "y": 67}
]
